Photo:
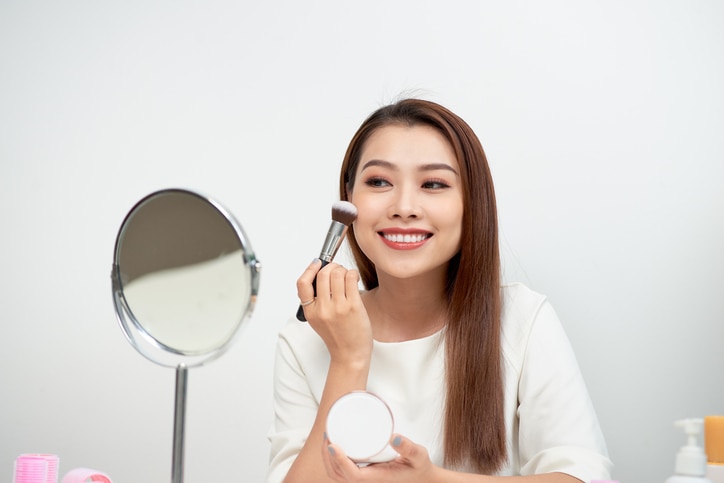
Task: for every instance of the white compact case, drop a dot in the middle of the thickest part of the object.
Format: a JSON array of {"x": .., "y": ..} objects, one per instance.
[{"x": 362, "y": 424}]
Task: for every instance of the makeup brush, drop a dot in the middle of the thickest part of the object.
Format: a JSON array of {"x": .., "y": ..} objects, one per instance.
[{"x": 343, "y": 214}]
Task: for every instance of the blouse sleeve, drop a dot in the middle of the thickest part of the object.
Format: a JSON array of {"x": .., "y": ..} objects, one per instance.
[
  {"x": 558, "y": 427},
  {"x": 295, "y": 405}
]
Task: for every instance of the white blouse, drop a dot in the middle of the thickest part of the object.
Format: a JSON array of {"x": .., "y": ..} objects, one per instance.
[{"x": 551, "y": 424}]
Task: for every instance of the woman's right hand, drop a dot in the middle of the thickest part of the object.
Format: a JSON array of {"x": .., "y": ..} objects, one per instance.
[{"x": 337, "y": 313}]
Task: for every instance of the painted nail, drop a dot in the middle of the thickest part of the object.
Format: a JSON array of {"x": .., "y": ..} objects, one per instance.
[
  {"x": 397, "y": 441},
  {"x": 331, "y": 450}
]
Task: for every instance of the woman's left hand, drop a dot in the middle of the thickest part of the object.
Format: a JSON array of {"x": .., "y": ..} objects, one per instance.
[{"x": 413, "y": 465}]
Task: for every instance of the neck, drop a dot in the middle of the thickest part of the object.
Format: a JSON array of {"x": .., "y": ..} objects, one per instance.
[{"x": 401, "y": 310}]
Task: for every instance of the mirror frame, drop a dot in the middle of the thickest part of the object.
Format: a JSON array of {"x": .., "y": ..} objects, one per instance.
[{"x": 133, "y": 329}]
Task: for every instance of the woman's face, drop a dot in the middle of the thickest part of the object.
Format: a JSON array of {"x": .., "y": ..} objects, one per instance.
[{"x": 409, "y": 199}]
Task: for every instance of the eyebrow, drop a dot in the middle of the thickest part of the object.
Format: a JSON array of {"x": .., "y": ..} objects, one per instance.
[{"x": 424, "y": 167}]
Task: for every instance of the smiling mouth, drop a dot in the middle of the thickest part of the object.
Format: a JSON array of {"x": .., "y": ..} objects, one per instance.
[{"x": 405, "y": 238}]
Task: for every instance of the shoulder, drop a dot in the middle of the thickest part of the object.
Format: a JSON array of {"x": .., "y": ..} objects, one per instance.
[
  {"x": 522, "y": 308},
  {"x": 520, "y": 302},
  {"x": 294, "y": 328},
  {"x": 298, "y": 334},
  {"x": 298, "y": 342}
]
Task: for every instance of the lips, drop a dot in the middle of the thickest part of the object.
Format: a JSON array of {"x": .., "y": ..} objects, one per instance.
[{"x": 404, "y": 240}]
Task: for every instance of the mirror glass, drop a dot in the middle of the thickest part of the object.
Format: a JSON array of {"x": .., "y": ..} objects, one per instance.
[{"x": 184, "y": 277}]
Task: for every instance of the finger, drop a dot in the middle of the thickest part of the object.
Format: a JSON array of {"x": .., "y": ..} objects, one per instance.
[
  {"x": 351, "y": 281},
  {"x": 329, "y": 467},
  {"x": 406, "y": 448},
  {"x": 323, "y": 281},
  {"x": 337, "y": 282},
  {"x": 305, "y": 289},
  {"x": 340, "y": 464},
  {"x": 333, "y": 469}
]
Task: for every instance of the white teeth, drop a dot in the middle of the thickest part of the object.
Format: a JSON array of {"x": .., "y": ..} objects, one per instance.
[{"x": 398, "y": 238}]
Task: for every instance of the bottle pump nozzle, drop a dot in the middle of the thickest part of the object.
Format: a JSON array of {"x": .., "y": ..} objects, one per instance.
[{"x": 691, "y": 459}]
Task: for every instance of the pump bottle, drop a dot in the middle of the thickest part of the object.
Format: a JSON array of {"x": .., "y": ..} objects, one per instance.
[{"x": 691, "y": 462}]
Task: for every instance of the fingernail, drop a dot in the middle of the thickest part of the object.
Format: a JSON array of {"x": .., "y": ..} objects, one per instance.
[
  {"x": 331, "y": 450},
  {"x": 397, "y": 441},
  {"x": 325, "y": 436}
]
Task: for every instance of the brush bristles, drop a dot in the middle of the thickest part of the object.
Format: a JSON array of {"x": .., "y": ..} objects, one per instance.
[{"x": 344, "y": 212}]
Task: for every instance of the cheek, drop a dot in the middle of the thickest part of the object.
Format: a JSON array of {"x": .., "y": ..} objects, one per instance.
[
  {"x": 363, "y": 225},
  {"x": 452, "y": 214},
  {"x": 451, "y": 211},
  {"x": 363, "y": 235},
  {"x": 367, "y": 206}
]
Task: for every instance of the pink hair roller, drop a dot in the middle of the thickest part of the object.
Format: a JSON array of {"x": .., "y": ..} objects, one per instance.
[{"x": 84, "y": 475}]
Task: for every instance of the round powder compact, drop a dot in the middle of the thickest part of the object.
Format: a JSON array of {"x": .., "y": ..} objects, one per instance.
[{"x": 361, "y": 424}]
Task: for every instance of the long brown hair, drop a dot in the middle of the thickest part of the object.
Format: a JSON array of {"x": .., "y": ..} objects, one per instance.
[{"x": 474, "y": 420}]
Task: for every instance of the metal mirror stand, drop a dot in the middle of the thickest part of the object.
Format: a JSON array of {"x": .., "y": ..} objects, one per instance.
[{"x": 184, "y": 280}]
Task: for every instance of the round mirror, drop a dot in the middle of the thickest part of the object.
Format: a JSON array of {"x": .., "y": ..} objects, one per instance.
[{"x": 184, "y": 278}]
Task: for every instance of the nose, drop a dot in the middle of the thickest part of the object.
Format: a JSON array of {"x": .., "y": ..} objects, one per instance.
[{"x": 405, "y": 204}]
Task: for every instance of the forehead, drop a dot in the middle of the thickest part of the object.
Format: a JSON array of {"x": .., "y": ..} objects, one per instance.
[{"x": 402, "y": 144}]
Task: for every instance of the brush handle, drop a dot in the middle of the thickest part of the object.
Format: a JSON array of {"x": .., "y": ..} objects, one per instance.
[{"x": 300, "y": 310}]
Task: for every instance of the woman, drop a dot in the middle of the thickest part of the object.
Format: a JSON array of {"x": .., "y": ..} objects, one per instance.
[{"x": 480, "y": 377}]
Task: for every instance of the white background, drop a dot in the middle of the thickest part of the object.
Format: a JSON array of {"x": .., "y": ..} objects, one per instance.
[{"x": 603, "y": 123}]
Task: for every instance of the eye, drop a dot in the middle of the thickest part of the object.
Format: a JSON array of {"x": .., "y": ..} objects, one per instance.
[
  {"x": 377, "y": 182},
  {"x": 435, "y": 184}
]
